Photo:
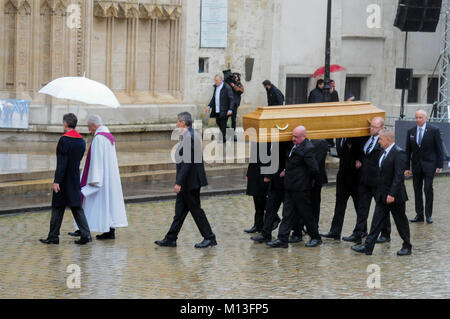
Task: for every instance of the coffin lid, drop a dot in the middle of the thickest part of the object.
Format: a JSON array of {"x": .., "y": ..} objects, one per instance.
[{"x": 321, "y": 120}]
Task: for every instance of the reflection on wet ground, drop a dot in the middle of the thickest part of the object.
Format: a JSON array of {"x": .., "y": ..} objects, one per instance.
[{"x": 133, "y": 267}]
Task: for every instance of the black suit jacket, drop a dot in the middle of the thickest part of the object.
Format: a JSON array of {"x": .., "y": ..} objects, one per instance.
[
  {"x": 369, "y": 169},
  {"x": 226, "y": 101},
  {"x": 429, "y": 155},
  {"x": 392, "y": 177},
  {"x": 190, "y": 167},
  {"x": 276, "y": 182},
  {"x": 321, "y": 151},
  {"x": 255, "y": 178},
  {"x": 348, "y": 154},
  {"x": 69, "y": 154},
  {"x": 301, "y": 168}
]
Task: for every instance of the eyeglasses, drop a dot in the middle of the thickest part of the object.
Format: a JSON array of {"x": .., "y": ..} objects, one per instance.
[{"x": 375, "y": 127}]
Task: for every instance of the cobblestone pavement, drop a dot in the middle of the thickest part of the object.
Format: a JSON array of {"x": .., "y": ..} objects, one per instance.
[{"x": 133, "y": 267}]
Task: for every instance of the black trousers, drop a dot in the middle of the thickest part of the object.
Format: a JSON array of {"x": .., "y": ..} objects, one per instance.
[
  {"x": 423, "y": 183},
  {"x": 316, "y": 198},
  {"x": 57, "y": 218},
  {"x": 379, "y": 219},
  {"x": 297, "y": 204},
  {"x": 260, "y": 210},
  {"x": 189, "y": 201},
  {"x": 274, "y": 200},
  {"x": 343, "y": 193},
  {"x": 222, "y": 124},
  {"x": 233, "y": 117},
  {"x": 366, "y": 193}
]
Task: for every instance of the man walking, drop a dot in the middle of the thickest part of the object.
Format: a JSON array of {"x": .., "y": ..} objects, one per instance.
[
  {"x": 424, "y": 153},
  {"x": 390, "y": 197},
  {"x": 222, "y": 104},
  {"x": 101, "y": 186},
  {"x": 368, "y": 164},
  {"x": 274, "y": 95},
  {"x": 300, "y": 173},
  {"x": 190, "y": 177},
  {"x": 66, "y": 187}
]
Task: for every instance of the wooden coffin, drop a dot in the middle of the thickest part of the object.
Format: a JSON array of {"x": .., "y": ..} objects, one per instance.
[{"x": 322, "y": 120}]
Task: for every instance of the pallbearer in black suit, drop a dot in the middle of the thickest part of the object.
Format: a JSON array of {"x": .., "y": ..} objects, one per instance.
[
  {"x": 299, "y": 176},
  {"x": 320, "y": 151},
  {"x": 391, "y": 195},
  {"x": 66, "y": 187},
  {"x": 368, "y": 164},
  {"x": 424, "y": 151},
  {"x": 349, "y": 151},
  {"x": 191, "y": 176},
  {"x": 256, "y": 187},
  {"x": 276, "y": 192}
]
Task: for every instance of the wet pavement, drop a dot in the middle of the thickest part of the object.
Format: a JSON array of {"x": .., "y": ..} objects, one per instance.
[{"x": 133, "y": 267}]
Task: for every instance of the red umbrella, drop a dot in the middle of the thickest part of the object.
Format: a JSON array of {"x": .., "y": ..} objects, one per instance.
[{"x": 333, "y": 68}]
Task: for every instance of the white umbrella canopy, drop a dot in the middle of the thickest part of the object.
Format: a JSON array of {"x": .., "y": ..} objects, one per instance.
[{"x": 81, "y": 89}]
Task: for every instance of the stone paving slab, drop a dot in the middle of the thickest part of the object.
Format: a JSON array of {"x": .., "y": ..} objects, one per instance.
[{"x": 133, "y": 267}]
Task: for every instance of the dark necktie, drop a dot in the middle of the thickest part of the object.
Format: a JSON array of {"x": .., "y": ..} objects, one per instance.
[
  {"x": 372, "y": 139},
  {"x": 383, "y": 158},
  {"x": 292, "y": 150}
]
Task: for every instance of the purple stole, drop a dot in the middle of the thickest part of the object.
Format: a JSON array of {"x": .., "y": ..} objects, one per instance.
[{"x": 87, "y": 164}]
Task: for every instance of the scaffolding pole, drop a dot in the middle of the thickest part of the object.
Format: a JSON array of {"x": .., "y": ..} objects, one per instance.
[{"x": 444, "y": 75}]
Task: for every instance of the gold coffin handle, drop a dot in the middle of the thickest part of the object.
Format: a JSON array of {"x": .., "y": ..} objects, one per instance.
[{"x": 282, "y": 128}]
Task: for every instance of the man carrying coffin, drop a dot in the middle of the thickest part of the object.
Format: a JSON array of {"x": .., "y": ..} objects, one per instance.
[{"x": 101, "y": 186}]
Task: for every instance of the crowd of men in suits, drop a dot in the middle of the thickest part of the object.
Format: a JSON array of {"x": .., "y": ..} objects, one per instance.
[{"x": 372, "y": 167}]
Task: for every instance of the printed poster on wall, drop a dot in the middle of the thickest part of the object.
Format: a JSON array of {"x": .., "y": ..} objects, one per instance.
[
  {"x": 214, "y": 24},
  {"x": 14, "y": 114}
]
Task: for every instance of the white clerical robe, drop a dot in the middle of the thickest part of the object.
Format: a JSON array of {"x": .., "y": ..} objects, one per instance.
[{"x": 103, "y": 204}]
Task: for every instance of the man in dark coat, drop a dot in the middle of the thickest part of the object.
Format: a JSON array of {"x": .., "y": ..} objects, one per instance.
[
  {"x": 347, "y": 182},
  {"x": 333, "y": 93},
  {"x": 222, "y": 104},
  {"x": 300, "y": 173},
  {"x": 276, "y": 192},
  {"x": 316, "y": 95},
  {"x": 274, "y": 95},
  {"x": 391, "y": 195},
  {"x": 424, "y": 151},
  {"x": 320, "y": 151},
  {"x": 190, "y": 177},
  {"x": 368, "y": 164},
  {"x": 256, "y": 187},
  {"x": 66, "y": 187}
]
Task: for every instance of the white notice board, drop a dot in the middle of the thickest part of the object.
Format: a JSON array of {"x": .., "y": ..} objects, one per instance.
[{"x": 214, "y": 24}]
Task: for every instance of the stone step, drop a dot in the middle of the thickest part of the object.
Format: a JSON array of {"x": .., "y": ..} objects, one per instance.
[{"x": 37, "y": 185}]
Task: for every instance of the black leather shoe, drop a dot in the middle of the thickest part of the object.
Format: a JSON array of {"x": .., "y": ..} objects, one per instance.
[
  {"x": 260, "y": 239},
  {"x": 109, "y": 235},
  {"x": 354, "y": 239},
  {"x": 294, "y": 239},
  {"x": 361, "y": 249},
  {"x": 404, "y": 252},
  {"x": 166, "y": 243},
  {"x": 76, "y": 233},
  {"x": 313, "y": 243},
  {"x": 252, "y": 230},
  {"x": 82, "y": 241},
  {"x": 383, "y": 239},
  {"x": 331, "y": 235},
  {"x": 275, "y": 224},
  {"x": 416, "y": 219},
  {"x": 49, "y": 241},
  {"x": 277, "y": 244},
  {"x": 429, "y": 220},
  {"x": 206, "y": 243}
]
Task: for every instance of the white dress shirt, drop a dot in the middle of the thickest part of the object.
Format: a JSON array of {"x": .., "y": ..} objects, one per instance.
[{"x": 217, "y": 97}]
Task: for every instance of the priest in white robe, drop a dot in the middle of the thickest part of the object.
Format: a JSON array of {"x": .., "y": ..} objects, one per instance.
[{"x": 101, "y": 187}]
